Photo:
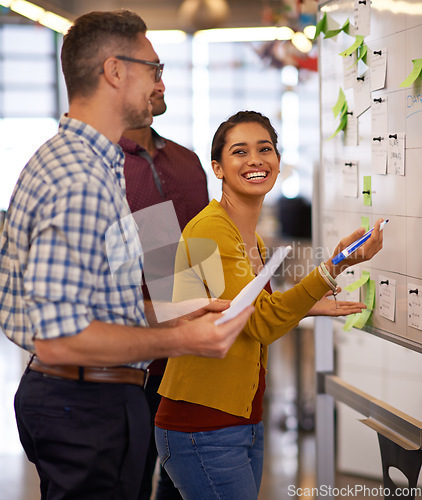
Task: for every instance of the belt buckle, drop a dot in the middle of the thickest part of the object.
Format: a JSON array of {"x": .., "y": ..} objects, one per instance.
[{"x": 146, "y": 377}]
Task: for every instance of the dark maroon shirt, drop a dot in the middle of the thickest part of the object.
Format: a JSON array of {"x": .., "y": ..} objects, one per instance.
[
  {"x": 181, "y": 178},
  {"x": 175, "y": 173}
]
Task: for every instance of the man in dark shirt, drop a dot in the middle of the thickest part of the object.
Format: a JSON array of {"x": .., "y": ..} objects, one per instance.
[{"x": 158, "y": 170}]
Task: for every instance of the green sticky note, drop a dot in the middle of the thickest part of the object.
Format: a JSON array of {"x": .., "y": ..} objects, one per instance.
[
  {"x": 417, "y": 67},
  {"x": 339, "y": 105},
  {"x": 367, "y": 193},
  {"x": 342, "y": 126},
  {"x": 362, "y": 318},
  {"x": 354, "y": 47},
  {"x": 350, "y": 321},
  {"x": 331, "y": 33},
  {"x": 370, "y": 295},
  {"x": 358, "y": 283},
  {"x": 369, "y": 302},
  {"x": 359, "y": 320},
  {"x": 362, "y": 51},
  {"x": 321, "y": 26},
  {"x": 364, "y": 222}
]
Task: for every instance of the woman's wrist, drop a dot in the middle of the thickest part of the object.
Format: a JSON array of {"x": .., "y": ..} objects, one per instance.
[
  {"x": 333, "y": 269},
  {"x": 325, "y": 270}
]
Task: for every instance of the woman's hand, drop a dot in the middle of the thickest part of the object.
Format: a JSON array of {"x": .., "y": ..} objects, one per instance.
[
  {"x": 371, "y": 247},
  {"x": 330, "y": 307}
]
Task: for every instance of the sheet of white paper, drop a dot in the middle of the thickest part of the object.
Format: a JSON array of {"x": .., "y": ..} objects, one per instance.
[
  {"x": 350, "y": 179},
  {"x": 379, "y": 143},
  {"x": 351, "y": 132},
  {"x": 379, "y": 160},
  {"x": 378, "y": 65},
  {"x": 414, "y": 306},
  {"x": 396, "y": 152},
  {"x": 350, "y": 70},
  {"x": 362, "y": 91},
  {"x": 246, "y": 296},
  {"x": 379, "y": 119},
  {"x": 362, "y": 17},
  {"x": 387, "y": 297}
]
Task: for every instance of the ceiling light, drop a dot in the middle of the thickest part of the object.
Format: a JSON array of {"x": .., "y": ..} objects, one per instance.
[
  {"x": 309, "y": 32},
  {"x": 55, "y": 22},
  {"x": 38, "y": 14},
  {"x": 27, "y": 9},
  {"x": 166, "y": 36},
  {"x": 301, "y": 42},
  {"x": 239, "y": 34},
  {"x": 285, "y": 33}
]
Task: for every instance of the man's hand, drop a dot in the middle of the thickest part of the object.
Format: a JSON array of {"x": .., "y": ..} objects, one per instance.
[
  {"x": 202, "y": 337},
  {"x": 106, "y": 344},
  {"x": 180, "y": 312},
  {"x": 215, "y": 306}
]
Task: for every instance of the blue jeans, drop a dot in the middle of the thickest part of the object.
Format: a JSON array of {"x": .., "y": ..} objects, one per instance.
[{"x": 225, "y": 464}]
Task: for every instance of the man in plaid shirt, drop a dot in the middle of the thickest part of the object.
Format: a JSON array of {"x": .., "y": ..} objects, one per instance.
[{"x": 80, "y": 407}]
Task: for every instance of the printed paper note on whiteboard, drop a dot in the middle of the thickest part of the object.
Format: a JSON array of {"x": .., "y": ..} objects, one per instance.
[
  {"x": 251, "y": 291},
  {"x": 387, "y": 297}
]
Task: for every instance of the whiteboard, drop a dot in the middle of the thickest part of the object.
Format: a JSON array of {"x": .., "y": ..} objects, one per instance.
[{"x": 396, "y": 28}]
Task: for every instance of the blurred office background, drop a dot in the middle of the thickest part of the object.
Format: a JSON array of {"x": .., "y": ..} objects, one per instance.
[{"x": 220, "y": 56}]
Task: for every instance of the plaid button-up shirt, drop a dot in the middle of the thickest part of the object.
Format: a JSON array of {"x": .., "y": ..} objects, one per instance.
[{"x": 55, "y": 276}]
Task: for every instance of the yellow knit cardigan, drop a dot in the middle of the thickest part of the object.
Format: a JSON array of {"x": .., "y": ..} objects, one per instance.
[{"x": 230, "y": 384}]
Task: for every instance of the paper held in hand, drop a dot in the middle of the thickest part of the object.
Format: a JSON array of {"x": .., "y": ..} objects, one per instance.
[{"x": 251, "y": 291}]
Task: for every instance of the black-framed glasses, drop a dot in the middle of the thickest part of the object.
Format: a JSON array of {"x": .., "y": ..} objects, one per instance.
[{"x": 158, "y": 66}]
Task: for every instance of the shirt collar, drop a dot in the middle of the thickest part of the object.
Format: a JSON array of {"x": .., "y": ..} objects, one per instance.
[
  {"x": 132, "y": 147},
  {"x": 110, "y": 153}
]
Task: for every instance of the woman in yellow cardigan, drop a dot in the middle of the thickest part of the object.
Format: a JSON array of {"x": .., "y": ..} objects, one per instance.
[{"x": 209, "y": 429}]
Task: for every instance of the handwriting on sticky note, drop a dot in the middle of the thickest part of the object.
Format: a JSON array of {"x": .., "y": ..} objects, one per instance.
[
  {"x": 414, "y": 306},
  {"x": 362, "y": 17},
  {"x": 387, "y": 297},
  {"x": 396, "y": 152}
]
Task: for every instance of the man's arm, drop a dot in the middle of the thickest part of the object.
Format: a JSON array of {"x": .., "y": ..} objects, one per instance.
[{"x": 104, "y": 344}]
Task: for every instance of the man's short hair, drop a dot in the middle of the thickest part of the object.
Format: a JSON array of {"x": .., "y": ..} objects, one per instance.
[{"x": 90, "y": 41}]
